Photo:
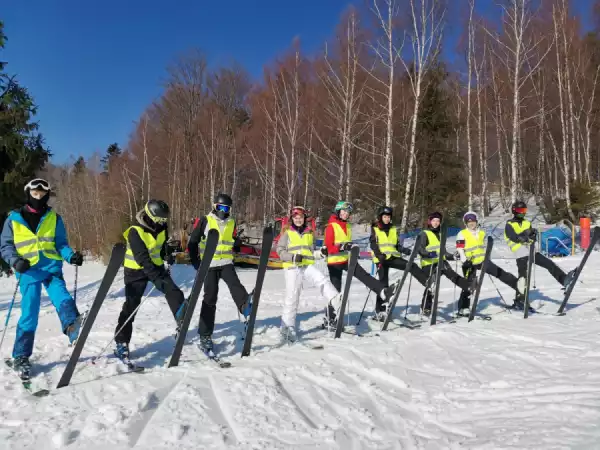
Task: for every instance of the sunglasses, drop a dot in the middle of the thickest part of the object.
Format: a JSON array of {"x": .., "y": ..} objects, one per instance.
[
  {"x": 223, "y": 208},
  {"x": 36, "y": 184}
]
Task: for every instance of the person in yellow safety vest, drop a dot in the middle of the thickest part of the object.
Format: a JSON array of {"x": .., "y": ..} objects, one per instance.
[
  {"x": 428, "y": 241},
  {"x": 221, "y": 266},
  {"x": 337, "y": 246},
  {"x": 470, "y": 246},
  {"x": 386, "y": 249},
  {"x": 147, "y": 249},
  {"x": 296, "y": 248},
  {"x": 519, "y": 236},
  {"x": 34, "y": 243}
]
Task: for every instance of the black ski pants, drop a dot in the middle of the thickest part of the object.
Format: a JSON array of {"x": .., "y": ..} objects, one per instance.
[
  {"x": 542, "y": 261},
  {"x": 448, "y": 272},
  {"x": 383, "y": 271},
  {"x": 490, "y": 268},
  {"x": 335, "y": 275},
  {"x": 134, "y": 291},
  {"x": 211, "y": 291}
]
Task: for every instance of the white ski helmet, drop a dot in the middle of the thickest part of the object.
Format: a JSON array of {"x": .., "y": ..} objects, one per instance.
[{"x": 470, "y": 216}]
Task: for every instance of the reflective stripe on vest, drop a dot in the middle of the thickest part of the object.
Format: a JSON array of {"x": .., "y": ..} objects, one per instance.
[
  {"x": 432, "y": 246},
  {"x": 474, "y": 246},
  {"x": 525, "y": 225},
  {"x": 153, "y": 245},
  {"x": 340, "y": 238},
  {"x": 300, "y": 245},
  {"x": 224, "y": 250},
  {"x": 29, "y": 244},
  {"x": 387, "y": 243}
]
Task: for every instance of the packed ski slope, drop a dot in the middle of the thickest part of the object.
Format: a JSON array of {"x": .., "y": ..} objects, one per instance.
[{"x": 504, "y": 383}]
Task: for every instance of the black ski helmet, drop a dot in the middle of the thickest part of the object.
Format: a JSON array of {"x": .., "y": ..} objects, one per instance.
[
  {"x": 222, "y": 205},
  {"x": 519, "y": 209},
  {"x": 384, "y": 211},
  {"x": 223, "y": 199},
  {"x": 157, "y": 211}
]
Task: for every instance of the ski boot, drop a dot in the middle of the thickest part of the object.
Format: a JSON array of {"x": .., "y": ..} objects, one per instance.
[
  {"x": 463, "y": 312},
  {"x": 387, "y": 293},
  {"x": 380, "y": 316},
  {"x": 246, "y": 308},
  {"x": 287, "y": 335},
  {"x": 521, "y": 285},
  {"x": 72, "y": 330},
  {"x": 426, "y": 304},
  {"x": 330, "y": 319},
  {"x": 122, "y": 351},
  {"x": 22, "y": 366},
  {"x": 206, "y": 344}
]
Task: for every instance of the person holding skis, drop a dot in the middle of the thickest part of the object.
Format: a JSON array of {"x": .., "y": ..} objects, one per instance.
[
  {"x": 519, "y": 235},
  {"x": 337, "y": 246},
  {"x": 430, "y": 251},
  {"x": 34, "y": 243},
  {"x": 221, "y": 266},
  {"x": 470, "y": 246},
  {"x": 144, "y": 261},
  {"x": 296, "y": 248},
  {"x": 386, "y": 250}
]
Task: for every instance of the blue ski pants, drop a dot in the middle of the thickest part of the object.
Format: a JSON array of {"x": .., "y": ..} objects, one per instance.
[{"x": 30, "y": 309}]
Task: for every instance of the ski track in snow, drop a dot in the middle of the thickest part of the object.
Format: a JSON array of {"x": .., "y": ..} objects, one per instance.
[{"x": 507, "y": 383}]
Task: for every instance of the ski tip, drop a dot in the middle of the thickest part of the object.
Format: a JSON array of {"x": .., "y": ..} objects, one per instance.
[{"x": 41, "y": 393}]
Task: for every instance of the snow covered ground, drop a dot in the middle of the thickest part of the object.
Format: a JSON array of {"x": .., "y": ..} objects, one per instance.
[{"x": 499, "y": 384}]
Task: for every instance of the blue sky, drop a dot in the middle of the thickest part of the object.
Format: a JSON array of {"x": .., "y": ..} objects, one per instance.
[{"x": 94, "y": 66}]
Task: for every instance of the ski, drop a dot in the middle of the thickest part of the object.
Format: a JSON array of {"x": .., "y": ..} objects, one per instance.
[
  {"x": 438, "y": 275},
  {"x": 478, "y": 317},
  {"x": 530, "y": 262},
  {"x": 267, "y": 243},
  {"x": 211, "y": 356},
  {"x": 26, "y": 381},
  {"x": 399, "y": 285},
  {"x": 593, "y": 242},
  {"x": 132, "y": 367},
  {"x": 352, "y": 262},
  {"x": 488, "y": 253},
  {"x": 114, "y": 264},
  {"x": 212, "y": 240}
]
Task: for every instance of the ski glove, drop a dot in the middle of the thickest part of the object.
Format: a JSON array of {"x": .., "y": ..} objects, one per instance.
[
  {"x": 297, "y": 259},
  {"x": 197, "y": 265},
  {"x": 318, "y": 254},
  {"x": 404, "y": 250},
  {"x": 346, "y": 247},
  {"x": 432, "y": 255},
  {"x": 76, "y": 259},
  {"x": 21, "y": 265},
  {"x": 170, "y": 259},
  {"x": 324, "y": 251},
  {"x": 467, "y": 265}
]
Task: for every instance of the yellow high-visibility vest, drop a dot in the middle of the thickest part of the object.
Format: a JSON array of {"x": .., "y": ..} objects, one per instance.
[
  {"x": 433, "y": 246},
  {"x": 474, "y": 246},
  {"x": 30, "y": 244},
  {"x": 154, "y": 245},
  {"x": 300, "y": 245},
  {"x": 340, "y": 238},
  {"x": 519, "y": 228},
  {"x": 387, "y": 243},
  {"x": 224, "y": 248}
]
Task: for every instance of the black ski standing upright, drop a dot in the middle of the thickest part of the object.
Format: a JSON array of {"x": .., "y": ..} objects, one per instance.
[
  {"x": 530, "y": 262},
  {"x": 593, "y": 242},
  {"x": 438, "y": 275},
  {"x": 390, "y": 309},
  {"x": 267, "y": 243},
  {"x": 114, "y": 264},
  {"x": 352, "y": 262},
  {"x": 488, "y": 253},
  {"x": 212, "y": 239}
]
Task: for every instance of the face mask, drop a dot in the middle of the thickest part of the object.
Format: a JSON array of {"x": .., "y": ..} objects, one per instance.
[{"x": 38, "y": 205}]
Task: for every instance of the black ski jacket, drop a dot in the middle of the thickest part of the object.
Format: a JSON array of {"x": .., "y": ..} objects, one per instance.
[
  {"x": 524, "y": 236},
  {"x": 198, "y": 234},
  {"x": 373, "y": 240},
  {"x": 149, "y": 270},
  {"x": 423, "y": 242}
]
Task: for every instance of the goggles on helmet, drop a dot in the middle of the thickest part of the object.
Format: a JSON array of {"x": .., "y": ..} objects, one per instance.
[
  {"x": 37, "y": 183},
  {"x": 223, "y": 208}
]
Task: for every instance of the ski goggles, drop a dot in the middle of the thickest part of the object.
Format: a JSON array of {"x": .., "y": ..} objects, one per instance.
[
  {"x": 297, "y": 210},
  {"x": 37, "y": 184},
  {"x": 346, "y": 206},
  {"x": 520, "y": 210},
  {"x": 470, "y": 218},
  {"x": 222, "y": 208},
  {"x": 154, "y": 218}
]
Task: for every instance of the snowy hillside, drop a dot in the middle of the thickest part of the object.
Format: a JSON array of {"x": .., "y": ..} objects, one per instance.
[{"x": 504, "y": 383}]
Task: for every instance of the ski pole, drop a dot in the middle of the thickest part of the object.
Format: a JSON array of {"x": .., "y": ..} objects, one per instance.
[
  {"x": 499, "y": 293},
  {"x": 364, "y": 307},
  {"x": 75, "y": 284},
  {"x": 408, "y": 296},
  {"x": 454, "y": 294},
  {"x": 9, "y": 311},
  {"x": 96, "y": 357}
]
